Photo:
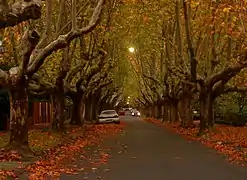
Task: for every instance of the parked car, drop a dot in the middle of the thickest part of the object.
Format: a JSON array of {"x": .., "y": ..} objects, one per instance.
[
  {"x": 134, "y": 112},
  {"x": 108, "y": 116}
]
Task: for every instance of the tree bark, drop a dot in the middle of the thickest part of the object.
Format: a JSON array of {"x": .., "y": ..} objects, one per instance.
[
  {"x": 96, "y": 108},
  {"x": 87, "y": 109},
  {"x": 173, "y": 112},
  {"x": 159, "y": 111},
  {"x": 91, "y": 110},
  {"x": 58, "y": 109},
  {"x": 165, "y": 112},
  {"x": 168, "y": 113},
  {"x": 186, "y": 112},
  {"x": 153, "y": 111},
  {"x": 16, "y": 82},
  {"x": 77, "y": 111},
  {"x": 18, "y": 121},
  {"x": 18, "y": 12},
  {"x": 206, "y": 110}
]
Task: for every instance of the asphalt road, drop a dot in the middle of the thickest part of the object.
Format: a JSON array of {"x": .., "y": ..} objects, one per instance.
[{"x": 149, "y": 152}]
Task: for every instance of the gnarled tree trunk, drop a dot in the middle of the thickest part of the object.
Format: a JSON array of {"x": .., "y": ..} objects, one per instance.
[
  {"x": 95, "y": 108},
  {"x": 186, "y": 112},
  {"x": 87, "y": 109},
  {"x": 174, "y": 111},
  {"x": 18, "y": 121},
  {"x": 159, "y": 111},
  {"x": 165, "y": 112},
  {"x": 77, "y": 111},
  {"x": 58, "y": 109},
  {"x": 206, "y": 110}
]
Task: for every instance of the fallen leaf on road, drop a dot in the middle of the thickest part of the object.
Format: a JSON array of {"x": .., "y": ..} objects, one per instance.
[
  {"x": 56, "y": 159},
  {"x": 81, "y": 169},
  {"x": 228, "y": 140},
  {"x": 107, "y": 170},
  {"x": 94, "y": 169}
]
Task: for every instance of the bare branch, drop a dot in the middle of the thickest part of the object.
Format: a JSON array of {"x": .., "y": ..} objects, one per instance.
[
  {"x": 60, "y": 16},
  {"x": 74, "y": 27},
  {"x": 74, "y": 71},
  {"x": 48, "y": 29},
  {"x": 63, "y": 40},
  {"x": 19, "y": 12},
  {"x": 224, "y": 74},
  {"x": 91, "y": 74},
  {"x": 234, "y": 89},
  {"x": 153, "y": 79},
  {"x": 29, "y": 40}
]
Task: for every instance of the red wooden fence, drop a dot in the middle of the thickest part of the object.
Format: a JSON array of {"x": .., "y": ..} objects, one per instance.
[{"x": 41, "y": 113}]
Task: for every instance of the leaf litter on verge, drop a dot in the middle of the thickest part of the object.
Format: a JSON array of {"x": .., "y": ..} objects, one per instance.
[
  {"x": 55, "y": 163},
  {"x": 228, "y": 140}
]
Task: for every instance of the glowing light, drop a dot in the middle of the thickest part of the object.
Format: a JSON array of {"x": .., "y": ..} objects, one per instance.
[{"x": 131, "y": 49}]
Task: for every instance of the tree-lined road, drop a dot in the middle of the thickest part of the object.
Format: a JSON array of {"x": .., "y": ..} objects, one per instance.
[{"x": 149, "y": 152}]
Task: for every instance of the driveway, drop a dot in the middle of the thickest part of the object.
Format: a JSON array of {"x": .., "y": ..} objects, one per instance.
[{"x": 148, "y": 152}]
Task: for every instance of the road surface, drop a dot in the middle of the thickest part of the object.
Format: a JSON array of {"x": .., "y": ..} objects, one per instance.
[{"x": 148, "y": 152}]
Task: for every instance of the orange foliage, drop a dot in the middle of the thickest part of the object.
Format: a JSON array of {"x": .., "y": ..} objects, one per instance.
[{"x": 54, "y": 162}]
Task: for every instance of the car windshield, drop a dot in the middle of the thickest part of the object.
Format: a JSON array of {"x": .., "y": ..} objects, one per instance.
[{"x": 109, "y": 112}]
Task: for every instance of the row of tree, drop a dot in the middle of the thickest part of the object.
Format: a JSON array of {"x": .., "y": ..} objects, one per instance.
[
  {"x": 188, "y": 50},
  {"x": 76, "y": 57}
]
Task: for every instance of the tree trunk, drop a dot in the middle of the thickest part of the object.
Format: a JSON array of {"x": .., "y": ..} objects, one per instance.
[
  {"x": 165, "y": 113},
  {"x": 186, "y": 112},
  {"x": 96, "y": 110},
  {"x": 90, "y": 110},
  {"x": 87, "y": 109},
  {"x": 174, "y": 112},
  {"x": 206, "y": 111},
  {"x": 159, "y": 111},
  {"x": 18, "y": 122},
  {"x": 58, "y": 112},
  {"x": 77, "y": 110},
  {"x": 95, "y": 106},
  {"x": 156, "y": 111},
  {"x": 153, "y": 111},
  {"x": 169, "y": 113},
  {"x": 162, "y": 112}
]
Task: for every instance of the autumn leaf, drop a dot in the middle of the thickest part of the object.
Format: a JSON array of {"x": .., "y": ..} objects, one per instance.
[
  {"x": 228, "y": 140},
  {"x": 56, "y": 159}
]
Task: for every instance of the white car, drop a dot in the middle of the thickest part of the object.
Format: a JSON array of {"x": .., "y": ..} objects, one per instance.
[
  {"x": 136, "y": 113},
  {"x": 109, "y": 116}
]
